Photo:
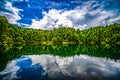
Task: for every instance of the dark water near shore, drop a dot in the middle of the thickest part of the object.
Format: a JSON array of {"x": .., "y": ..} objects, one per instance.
[{"x": 59, "y": 62}]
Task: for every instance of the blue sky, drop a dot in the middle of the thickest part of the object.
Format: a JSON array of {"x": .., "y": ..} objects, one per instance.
[{"x": 47, "y": 14}]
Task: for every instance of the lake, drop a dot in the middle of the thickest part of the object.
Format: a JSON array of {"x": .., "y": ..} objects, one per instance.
[{"x": 59, "y": 62}]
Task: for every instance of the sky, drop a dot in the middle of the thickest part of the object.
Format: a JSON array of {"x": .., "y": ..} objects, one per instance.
[{"x": 49, "y": 14}]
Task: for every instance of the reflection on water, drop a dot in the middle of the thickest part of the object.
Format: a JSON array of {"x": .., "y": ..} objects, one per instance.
[
  {"x": 49, "y": 67},
  {"x": 9, "y": 52}
]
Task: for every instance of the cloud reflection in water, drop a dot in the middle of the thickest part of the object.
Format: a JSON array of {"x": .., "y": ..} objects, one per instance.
[{"x": 44, "y": 67}]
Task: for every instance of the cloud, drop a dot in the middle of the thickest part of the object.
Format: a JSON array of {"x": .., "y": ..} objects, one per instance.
[
  {"x": 48, "y": 14},
  {"x": 80, "y": 67},
  {"x": 81, "y": 17},
  {"x": 52, "y": 19},
  {"x": 59, "y": 18},
  {"x": 115, "y": 19},
  {"x": 13, "y": 15}
]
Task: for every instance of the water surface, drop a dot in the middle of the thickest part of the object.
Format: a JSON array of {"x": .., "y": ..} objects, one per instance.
[
  {"x": 49, "y": 67},
  {"x": 59, "y": 62}
]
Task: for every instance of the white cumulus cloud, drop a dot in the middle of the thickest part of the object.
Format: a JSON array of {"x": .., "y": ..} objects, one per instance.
[
  {"x": 13, "y": 16},
  {"x": 82, "y": 17},
  {"x": 58, "y": 18}
]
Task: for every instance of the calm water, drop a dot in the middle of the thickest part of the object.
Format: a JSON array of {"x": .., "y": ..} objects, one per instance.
[{"x": 59, "y": 62}]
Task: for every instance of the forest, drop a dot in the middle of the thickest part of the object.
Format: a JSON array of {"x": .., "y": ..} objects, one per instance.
[{"x": 109, "y": 34}]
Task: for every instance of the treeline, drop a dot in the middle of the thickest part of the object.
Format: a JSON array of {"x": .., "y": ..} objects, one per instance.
[{"x": 97, "y": 35}]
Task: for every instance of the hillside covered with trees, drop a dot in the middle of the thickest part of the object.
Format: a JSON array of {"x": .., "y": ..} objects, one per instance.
[{"x": 97, "y": 35}]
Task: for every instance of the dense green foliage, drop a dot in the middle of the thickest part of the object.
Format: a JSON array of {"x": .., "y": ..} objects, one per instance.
[
  {"x": 108, "y": 36},
  {"x": 97, "y": 35},
  {"x": 10, "y": 51}
]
